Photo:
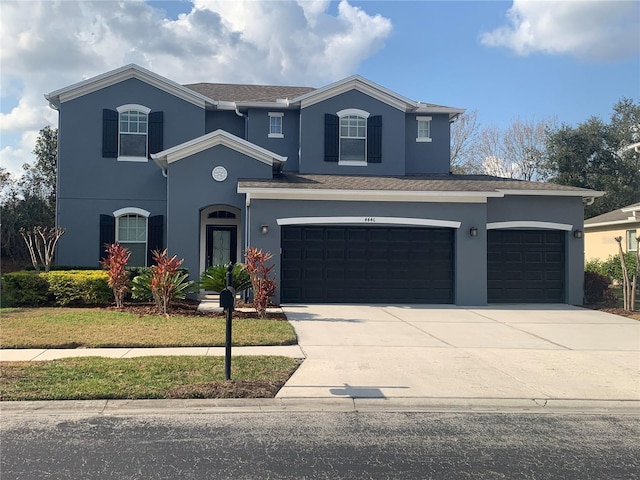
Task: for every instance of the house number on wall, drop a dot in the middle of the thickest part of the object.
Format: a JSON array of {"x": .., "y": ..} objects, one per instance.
[
  {"x": 219, "y": 174},
  {"x": 370, "y": 219}
]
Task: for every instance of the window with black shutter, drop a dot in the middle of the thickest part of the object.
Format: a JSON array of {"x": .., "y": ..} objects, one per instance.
[
  {"x": 352, "y": 138},
  {"x": 132, "y": 133}
]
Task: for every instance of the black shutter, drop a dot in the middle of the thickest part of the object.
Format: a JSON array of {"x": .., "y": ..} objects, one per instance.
[
  {"x": 107, "y": 233},
  {"x": 374, "y": 139},
  {"x": 156, "y": 132},
  {"x": 154, "y": 236},
  {"x": 109, "y": 133},
  {"x": 331, "y": 138}
]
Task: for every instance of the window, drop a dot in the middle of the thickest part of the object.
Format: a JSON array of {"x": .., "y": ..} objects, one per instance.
[
  {"x": 275, "y": 125},
  {"x": 131, "y": 133},
  {"x": 632, "y": 241},
  {"x": 131, "y": 233},
  {"x": 424, "y": 129},
  {"x": 133, "y": 122},
  {"x": 353, "y": 137}
]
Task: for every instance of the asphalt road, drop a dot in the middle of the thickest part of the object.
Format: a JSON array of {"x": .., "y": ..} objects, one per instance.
[{"x": 321, "y": 446}]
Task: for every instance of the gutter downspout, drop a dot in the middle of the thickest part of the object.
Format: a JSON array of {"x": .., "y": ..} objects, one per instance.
[{"x": 246, "y": 120}]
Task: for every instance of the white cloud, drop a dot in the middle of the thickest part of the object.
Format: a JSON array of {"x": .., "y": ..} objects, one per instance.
[
  {"x": 593, "y": 30},
  {"x": 48, "y": 45}
]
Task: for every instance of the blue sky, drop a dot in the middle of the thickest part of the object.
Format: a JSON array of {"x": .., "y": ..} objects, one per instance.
[{"x": 517, "y": 59}]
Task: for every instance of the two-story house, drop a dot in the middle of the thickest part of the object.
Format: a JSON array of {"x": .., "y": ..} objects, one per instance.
[{"x": 348, "y": 186}]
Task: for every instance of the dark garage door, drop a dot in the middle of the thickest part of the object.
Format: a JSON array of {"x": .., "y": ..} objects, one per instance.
[
  {"x": 525, "y": 266},
  {"x": 323, "y": 264}
]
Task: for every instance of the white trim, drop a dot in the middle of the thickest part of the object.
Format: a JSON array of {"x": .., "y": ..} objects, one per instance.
[
  {"x": 631, "y": 208},
  {"x": 131, "y": 211},
  {"x": 133, "y": 106},
  {"x": 132, "y": 159},
  {"x": 552, "y": 193},
  {"x": 424, "y": 139},
  {"x": 530, "y": 224},
  {"x": 353, "y": 112},
  {"x": 427, "y": 120},
  {"x": 218, "y": 137},
  {"x": 121, "y": 74},
  {"x": 366, "y": 195},
  {"x": 372, "y": 220},
  {"x": 275, "y": 135},
  {"x": 276, "y": 114},
  {"x": 352, "y": 163},
  {"x": 613, "y": 222}
]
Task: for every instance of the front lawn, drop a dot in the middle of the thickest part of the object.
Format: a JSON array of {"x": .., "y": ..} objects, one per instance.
[
  {"x": 93, "y": 378},
  {"x": 100, "y": 327}
]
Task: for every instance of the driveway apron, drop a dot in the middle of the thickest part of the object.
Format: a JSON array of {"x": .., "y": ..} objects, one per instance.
[{"x": 515, "y": 351}]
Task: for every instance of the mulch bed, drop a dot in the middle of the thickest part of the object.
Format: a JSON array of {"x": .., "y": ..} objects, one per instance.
[{"x": 189, "y": 308}]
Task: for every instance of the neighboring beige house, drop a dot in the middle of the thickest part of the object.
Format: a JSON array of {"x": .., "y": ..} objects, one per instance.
[{"x": 600, "y": 232}]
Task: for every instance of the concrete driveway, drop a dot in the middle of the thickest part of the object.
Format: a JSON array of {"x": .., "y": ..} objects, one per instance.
[{"x": 495, "y": 352}]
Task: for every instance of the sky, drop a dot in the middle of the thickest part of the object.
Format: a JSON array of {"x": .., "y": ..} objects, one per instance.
[{"x": 520, "y": 59}]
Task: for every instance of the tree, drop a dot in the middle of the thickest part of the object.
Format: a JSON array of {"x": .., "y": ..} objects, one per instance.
[
  {"x": 517, "y": 152},
  {"x": 29, "y": 200},
  {"x": 596, "y": 155},
  {"x": 464, "y": 137}
]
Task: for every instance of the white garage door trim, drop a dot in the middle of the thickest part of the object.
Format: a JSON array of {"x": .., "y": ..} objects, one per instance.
[{"x": 425, "y": 222}]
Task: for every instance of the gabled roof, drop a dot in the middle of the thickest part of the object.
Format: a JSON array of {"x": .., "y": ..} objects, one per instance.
[
  {"x": 621, "y": 216},
  {"x": 405, "y": 188},
  {"x": 118, "y": 75},
  {"x": 361, "y": 84},
  {"x": 218, "y": 137}
]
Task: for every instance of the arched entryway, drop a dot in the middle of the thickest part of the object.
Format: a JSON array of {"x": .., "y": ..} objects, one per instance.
[{"x": 220, "y": 233}]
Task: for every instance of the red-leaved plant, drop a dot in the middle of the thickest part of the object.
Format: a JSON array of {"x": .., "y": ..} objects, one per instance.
[
  {"x": 167, "y": 282},
  {"x": 264, "y": 286},
  {"x": 115, "y": 263}
]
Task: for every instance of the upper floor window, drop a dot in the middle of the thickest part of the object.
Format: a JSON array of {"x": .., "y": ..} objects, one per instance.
[
  {"x": 275, "y": 125},
  {"x": 352, "y": 137},
  {"x": 133, "y": 122},
  {"x": 131, "y": 132},
  {"x": 424, "y": 129},
  {"x": 632, "y": 241}
]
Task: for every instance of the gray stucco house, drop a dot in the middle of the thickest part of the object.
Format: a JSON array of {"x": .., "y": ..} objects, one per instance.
[{"x": 348, "y": 185}]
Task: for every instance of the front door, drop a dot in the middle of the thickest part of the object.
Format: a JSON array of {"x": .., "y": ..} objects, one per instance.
[{"x": 222, "y": 245}]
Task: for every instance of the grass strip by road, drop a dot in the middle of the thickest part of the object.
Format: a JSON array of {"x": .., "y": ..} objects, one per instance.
[
  {"x": 92, "y": 378},
  {"x": 96, "y": 327}
]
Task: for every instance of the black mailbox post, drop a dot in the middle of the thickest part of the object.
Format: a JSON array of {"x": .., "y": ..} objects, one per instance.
[{"x": 227, "y": 301}]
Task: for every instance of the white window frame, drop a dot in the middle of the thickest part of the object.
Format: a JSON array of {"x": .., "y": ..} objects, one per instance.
[
  {"x": 133, "y": 211},
  {"x": 272, "y": 133},
  {"x": 352, "y": 112},
  {"x": 631, "y": 238},
  {"x": 420, "y": 137},
  {"x": 133, "y": 107}
]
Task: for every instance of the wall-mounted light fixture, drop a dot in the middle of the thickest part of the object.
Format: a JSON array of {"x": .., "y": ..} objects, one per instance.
[
  {"x": 473, "y": 231},
  {"x": 264, "y": 229},
  {"x": 577, "y": 234}
]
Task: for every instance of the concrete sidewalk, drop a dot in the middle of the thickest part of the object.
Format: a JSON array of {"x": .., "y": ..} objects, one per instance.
[
  {"x": 544, "y": 352},
  {"x": 35, "y": 354}
]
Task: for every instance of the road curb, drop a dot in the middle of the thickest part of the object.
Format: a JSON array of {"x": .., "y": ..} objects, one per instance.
[{"x": 308, "y": 405}]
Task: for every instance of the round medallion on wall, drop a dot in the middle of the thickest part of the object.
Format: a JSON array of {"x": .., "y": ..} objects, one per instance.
[{"x": 219, "y": 174}]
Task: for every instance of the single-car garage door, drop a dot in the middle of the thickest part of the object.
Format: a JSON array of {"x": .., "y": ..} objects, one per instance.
[
  {"x": 338, "y": 264},
  {"x": 525, "y": 266}
]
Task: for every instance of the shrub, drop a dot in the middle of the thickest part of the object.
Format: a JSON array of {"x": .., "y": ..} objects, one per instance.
[
  {"x": 215, "y": 278},
  {"x": 596, "y": 289},
  {"x": 263, "y": 284},
  {"x": 115, "y": 263},
  {"x": 79, "y": 287},
  {"x": 24, "y": 289},
  {"x": 141, "y": 285},
  {"x": 611, "y": 266},
  {"x": 166, "y": 280}
]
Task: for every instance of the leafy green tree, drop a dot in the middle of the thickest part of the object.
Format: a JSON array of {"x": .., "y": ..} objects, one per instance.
[{"x": 596, "y": 155}]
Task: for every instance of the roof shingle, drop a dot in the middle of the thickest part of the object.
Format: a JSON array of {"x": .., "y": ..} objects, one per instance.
[{"x": 231, "y": 92}]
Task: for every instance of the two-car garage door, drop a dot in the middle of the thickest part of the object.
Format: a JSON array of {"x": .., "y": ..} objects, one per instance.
[{"x": 373, "y": 264}]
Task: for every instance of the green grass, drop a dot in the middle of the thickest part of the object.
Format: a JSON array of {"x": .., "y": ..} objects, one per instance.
[
  {"x": 96, "y": 327},
  {"x": 93, "y": 378}
]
